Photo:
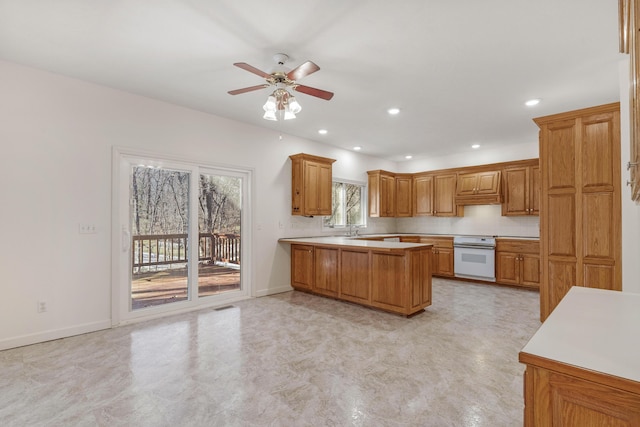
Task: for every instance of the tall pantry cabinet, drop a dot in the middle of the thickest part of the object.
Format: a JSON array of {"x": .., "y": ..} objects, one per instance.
[{"x": 580, "y": 217}]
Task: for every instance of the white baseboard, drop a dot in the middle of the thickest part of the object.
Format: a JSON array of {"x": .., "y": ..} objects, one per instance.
[
  {"x": 54, "y": 334},
  {"x": 273, "y": 291}
]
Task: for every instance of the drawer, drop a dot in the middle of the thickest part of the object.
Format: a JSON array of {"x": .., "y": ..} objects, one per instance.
[{"x": 518, "y": 246}]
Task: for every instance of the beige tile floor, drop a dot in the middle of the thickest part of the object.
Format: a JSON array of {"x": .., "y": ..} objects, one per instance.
[{"x": 286, "y": 360}]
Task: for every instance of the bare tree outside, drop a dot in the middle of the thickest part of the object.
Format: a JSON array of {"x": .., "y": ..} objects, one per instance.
[
  {"x": 346, "y": 205},
  {"x": 159, "y": 209}
]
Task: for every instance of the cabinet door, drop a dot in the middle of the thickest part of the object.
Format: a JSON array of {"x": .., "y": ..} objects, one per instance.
[
  {"x": 387, "y": 196},
  {"x": 317, "y": 188},
  {"x": 555, "y": 399},
  {"x": 534, "y": 190},
  {"x": 388, "y": 281},
  {"x": 467, "y": 184},
  {"x": 444, "y": 262},
  {"x": 445, "y": 192},
  {"x": 530, "y": 269},
  {"x": 302, "y": 266},
  {"x": 488, "y": 182},
  {"x": 403, "y": 196},
  {"x": 355, "y": 284},
  {"x": 423, "y": 195},
  {"x": 325, "y": 189},
  {"x": 326, "y": 271},
  {"x": 508, "y": 267},
  {"x": 516, "y": 198},
  {"x": 311, "y": 176}
]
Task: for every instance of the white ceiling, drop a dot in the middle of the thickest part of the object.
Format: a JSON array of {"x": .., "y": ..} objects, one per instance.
[{"x": 459, "y": 70}]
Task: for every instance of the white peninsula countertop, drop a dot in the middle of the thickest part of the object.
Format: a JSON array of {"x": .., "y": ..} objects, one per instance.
[
  {"x": 593, "y": 329},
  {"x": 359, "y": 241}
]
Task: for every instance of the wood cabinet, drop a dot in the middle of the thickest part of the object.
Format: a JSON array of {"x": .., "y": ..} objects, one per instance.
[
  {"x": 580, "y": 217},
  {"x": 479, "y": 188},
  {"x": 582, "y": 364},
  {"x": 442, "y": 257},
  {"x": 325, "y": 267},
  {"x": 302, "y": 275},
  {"x": 315, "y": 269},
  {"x": 404, "y": 201},
  {"x": 521, "y": 190},
  {"x": 392, "y": 279},
  {"x": 518, "y": 262},
  {"x": 630, "y": 43},
  {"x": 355, "y": 281},
  {"x": 382, "y": 194},
  {"x": 311, "y": 185},
  {"x": 434, "y": 195}
]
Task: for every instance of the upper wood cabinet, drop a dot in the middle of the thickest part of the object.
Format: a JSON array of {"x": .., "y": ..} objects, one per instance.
[
  {"x": 478, "y": 188},
  {"x": 434, "y": 195},
  {"x": 404, "y": 201},
  {"x": 382, "y": 194},
  {"x": 311, "y": 185},
  {"x": 521, "y": 190},
  {"x": 580, "y": 219}
]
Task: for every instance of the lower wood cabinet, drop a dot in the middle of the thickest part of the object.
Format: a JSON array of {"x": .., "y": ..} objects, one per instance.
[
  {"x": 553, "y": 399},
  {"x": 396, "y": 280},
  {"x": 325, "y": 266},
  {"x": 518, "y": 262},
  {"x": 442, "y": 259},
  {"x": 302, "y": 266}
]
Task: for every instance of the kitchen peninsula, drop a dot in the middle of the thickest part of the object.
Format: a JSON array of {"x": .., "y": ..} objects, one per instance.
[{"x": 391, "y": 276}]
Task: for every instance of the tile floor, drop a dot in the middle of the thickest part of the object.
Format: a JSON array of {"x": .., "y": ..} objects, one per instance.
[{"x": 286, "y": 360}]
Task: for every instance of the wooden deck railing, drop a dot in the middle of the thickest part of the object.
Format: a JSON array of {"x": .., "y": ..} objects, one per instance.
[{"x": 166, "y": 249}]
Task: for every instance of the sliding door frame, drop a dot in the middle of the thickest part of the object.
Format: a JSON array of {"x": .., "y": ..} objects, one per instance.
[{"x": 121, "y": 312}]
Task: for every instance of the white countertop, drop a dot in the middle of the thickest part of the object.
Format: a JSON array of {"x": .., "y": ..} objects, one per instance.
[
  {"x": 594, "y": 329},
  {"x": 352, "y": 241}
]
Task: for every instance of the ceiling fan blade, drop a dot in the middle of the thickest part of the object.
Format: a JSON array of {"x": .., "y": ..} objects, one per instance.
[
  {"x": 252, "y": 69},
  {"x": 319, "y": 93},
  {"x": 247, "y": 89},
  {"x": 302, "y": 70}
]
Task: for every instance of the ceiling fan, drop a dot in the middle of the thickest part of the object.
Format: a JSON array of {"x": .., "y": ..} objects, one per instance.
[{"x": 281, "y": 102}]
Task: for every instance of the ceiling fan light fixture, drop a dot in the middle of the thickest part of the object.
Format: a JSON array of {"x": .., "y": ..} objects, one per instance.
[
  {"x": 294, "y": 106},
  {"x": 270, "y": 115},
  {"x": 270, "y": 105},
  {"x": 288, "y": 114}
]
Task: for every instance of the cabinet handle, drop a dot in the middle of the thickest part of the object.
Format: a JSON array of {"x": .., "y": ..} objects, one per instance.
[{"x": 631, "y": 164}]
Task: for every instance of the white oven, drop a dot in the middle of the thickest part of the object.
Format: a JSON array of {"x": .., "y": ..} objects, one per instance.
[{"x": 474, "y": 257}]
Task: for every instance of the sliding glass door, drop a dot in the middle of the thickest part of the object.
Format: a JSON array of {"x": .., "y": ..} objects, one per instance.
[{"x": 181, "y": 235}]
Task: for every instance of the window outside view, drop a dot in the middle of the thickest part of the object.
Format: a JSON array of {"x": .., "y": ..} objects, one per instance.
[{"x": 347, "y": 205}]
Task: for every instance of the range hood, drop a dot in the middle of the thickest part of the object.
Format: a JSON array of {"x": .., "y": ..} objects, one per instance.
[{"x": 479, "y": 188}]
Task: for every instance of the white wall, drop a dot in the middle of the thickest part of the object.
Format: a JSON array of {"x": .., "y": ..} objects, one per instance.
[{"x": 57, "y": 136}]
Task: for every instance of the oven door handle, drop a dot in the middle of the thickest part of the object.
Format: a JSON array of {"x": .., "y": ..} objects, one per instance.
[{"x": 473, "y": 247}]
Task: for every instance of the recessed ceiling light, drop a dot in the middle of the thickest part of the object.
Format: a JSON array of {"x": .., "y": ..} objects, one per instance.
[
  {"x": 393, "y": 111},
  {"x": 358, "y": 148},
  {"x": 475, "y": 146},
  {"x": 409, "y": 156},
  {"x": 323, "y": 131},
  {"x": 532, "y": 102}
]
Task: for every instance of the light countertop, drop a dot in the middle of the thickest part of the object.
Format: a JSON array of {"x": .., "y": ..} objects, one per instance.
[
  {"x": 593, "y": 329},
  {"x": 352, "y": 241}
]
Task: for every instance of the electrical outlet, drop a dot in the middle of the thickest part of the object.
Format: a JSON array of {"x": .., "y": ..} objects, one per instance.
[
  {"x": 87, "y": 228},
  {"x": 42, "y": 306}
]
